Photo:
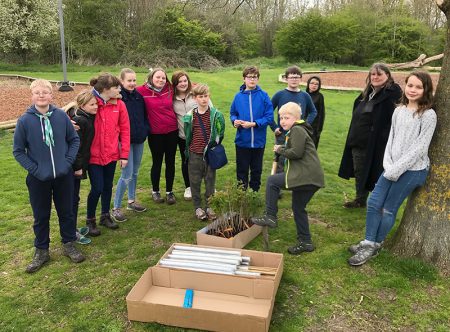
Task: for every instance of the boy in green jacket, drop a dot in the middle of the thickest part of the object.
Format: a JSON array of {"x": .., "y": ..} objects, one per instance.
[{"x": 303, "y": 176}]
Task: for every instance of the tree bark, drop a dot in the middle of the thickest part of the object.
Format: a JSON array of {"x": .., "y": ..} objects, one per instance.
[{"x": 424, "y": 231}]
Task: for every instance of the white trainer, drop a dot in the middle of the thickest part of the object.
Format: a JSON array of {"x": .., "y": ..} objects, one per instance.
[{"x": 187, "y": 194}]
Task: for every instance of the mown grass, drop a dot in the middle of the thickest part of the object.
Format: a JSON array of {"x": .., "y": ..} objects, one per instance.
[{"x": 319, "y": 291}]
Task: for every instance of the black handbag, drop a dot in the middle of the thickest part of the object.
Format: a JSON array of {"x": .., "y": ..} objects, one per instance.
[{"x": 215, "y": 155}]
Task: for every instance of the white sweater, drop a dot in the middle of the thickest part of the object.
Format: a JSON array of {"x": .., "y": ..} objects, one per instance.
[{"x": 409, "y": 139}]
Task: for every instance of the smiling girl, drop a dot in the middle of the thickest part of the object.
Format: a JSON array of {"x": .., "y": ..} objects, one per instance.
[
  {"x": 406, "y": 164},
  {"x": 163, "y": 138}
]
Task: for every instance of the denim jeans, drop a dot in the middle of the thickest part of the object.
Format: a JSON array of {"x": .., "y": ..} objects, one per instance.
[
  {"x": 128, "y": 178},
  {"x": 301, "y": 196},
  {"x": 101, "y": 178},
  {"x": 385, "y": 201}
]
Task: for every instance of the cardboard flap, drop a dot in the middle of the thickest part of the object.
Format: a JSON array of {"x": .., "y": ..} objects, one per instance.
[{"x": 141, "y": 287}]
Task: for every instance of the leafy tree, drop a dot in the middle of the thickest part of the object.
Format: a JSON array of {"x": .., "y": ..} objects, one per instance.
[{"x": 24, "y": 24}]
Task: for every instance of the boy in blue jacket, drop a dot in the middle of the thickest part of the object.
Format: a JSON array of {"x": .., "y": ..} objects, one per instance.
[
  {"x": 46, "y": 144},
  {"x": 251, "y": 112}
]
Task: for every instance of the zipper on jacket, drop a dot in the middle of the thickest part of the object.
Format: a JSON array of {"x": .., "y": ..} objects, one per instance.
[
  {"x": 251, "y": 120},
  {"x": 287, "y": 171}
]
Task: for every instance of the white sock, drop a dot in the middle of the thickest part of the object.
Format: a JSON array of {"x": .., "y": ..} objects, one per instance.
[{"x": 367, "y": 242}]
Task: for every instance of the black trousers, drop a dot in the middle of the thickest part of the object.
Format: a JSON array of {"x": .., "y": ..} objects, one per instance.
[
  {"x": 249, "y": 159},
  {"x": 163, "y": 146},
  {"x": 41, "y": 195}
]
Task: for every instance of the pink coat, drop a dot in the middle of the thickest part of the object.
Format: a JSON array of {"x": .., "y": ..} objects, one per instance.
[
  {"x": 159, "y": 105},
  {"x": 112, "y": 133}
]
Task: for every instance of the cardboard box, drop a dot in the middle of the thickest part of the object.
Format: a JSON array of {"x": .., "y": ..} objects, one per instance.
[
  {"x": 220, "y": 303},
  {"x": 239, "y": 241}
]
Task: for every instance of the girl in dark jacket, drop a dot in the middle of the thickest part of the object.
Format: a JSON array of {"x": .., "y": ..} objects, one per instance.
[
  {"x": 313, "y": 88},
  {"x": 82, "y": 111},
  {"x": 369, "y": 132},
  {"x": 139, "y": 130}
]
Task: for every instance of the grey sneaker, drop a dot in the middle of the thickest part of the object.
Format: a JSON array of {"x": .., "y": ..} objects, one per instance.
[
  {"x": 105, "y": 220},
  {"x": 354, "y": 248},
  {"x": 364, "y": 253},
  {"x": 117, "y": 215},
  {"x": 136, "y": 207},
  {"x": 200, "y": 214},
  {"x": 170, "y": 198},
  {"x": 156, "y": 196},
  {"x": 265, "y": 220},
  {"x": 301, "y": 247},
  {"x": 211, "y": 214},
  {"x": 41, "y": 256},
  {"x": 72, "y": 252}
]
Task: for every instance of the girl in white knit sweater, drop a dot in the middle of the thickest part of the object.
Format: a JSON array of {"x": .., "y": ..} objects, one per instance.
[{"x": 405, "y": 163}]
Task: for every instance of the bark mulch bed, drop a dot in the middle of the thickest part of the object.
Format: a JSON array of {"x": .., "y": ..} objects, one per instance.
[{"x": 15, "y": 94}]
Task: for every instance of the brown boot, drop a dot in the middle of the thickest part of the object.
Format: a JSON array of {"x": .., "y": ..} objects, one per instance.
[
  {"x": 105, "y": 220},
  {"x": 40, "y": 257},
  {"x": 92, "y": 225}
]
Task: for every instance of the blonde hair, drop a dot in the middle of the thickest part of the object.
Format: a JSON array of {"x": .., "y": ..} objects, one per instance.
[
  {"x": 125, "y": 71},
  {"x": 291, "y": 108},
  {"x": 41, "y": 83},
  {"x": 200, "y": 89},
  {"x": 80, "y": 100}
]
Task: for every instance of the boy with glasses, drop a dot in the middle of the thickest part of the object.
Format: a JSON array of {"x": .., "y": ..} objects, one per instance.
[
  {"x": 291, "y": 93},
  {"x": 251, "y": 112}
]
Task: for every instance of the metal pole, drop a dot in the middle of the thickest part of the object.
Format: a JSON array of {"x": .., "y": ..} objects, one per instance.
[{"x": 64, "y": 85}]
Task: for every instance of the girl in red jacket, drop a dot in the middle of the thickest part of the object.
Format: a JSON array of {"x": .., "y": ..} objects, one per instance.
[
  {"x": 163, "y": 138},
  {"x": 111, "y": 143}
]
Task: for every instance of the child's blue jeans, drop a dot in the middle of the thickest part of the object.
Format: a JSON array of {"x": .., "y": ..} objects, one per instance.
[
  {"x": 128, "y": 178},
  {"x": 386, "y": 199}
]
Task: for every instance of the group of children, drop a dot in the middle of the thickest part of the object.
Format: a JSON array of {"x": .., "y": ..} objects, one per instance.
[{"x": 115, "y": 117}]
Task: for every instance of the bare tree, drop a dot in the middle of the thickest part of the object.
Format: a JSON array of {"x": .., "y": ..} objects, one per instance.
[{"x": 425, "y": 228}]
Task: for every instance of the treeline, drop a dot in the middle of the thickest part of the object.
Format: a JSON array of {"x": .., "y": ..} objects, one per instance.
[{"x": 208, "y": 34}]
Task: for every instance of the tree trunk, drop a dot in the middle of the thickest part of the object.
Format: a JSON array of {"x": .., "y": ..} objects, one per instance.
[{"x": 425, "y": 227}]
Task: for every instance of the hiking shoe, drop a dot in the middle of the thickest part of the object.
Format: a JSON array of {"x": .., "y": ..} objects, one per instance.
[
  {"x": 201, "y": 214},
  {"x": 105, "y": 220},
  {"x": 265, "y": 220},
  {"x": 170, "y": 197},
  {"x": 301, "y": 247},
  {"x": 356, "y": 203},
  {"x": 365, "y": 252},
  {"x": 354, "y": 248},
  {"x": 83, "y": 231},
  {"x": 81, "y": 239},
  {"x": 211, "y": 214},
  {"x": 41, "y": 256},
  {"x": 156, "y": 196},
  {"x": 72, "y": 252},
  {"x": 187, "y": 194},
  {"x": 117, "y": 215},
  {"x": 136, "y": 207},
  {"x": 92, "y": 226}
]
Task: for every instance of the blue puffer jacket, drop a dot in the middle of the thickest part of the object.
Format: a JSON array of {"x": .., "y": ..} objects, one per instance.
[
  {"x": 30, "y": 150},
  {"x": 253, "y": 106},
  {"x": 139, "y": 127}
]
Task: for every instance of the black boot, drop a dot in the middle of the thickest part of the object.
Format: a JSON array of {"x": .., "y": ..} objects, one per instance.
[
  {"x": 105, "y": 220},
  {"x": 92, "y": 225},
  {"x": 41, "y": 256}
]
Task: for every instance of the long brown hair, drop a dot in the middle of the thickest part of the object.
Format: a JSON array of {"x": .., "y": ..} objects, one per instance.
[
  {"x": 378, "y": 67},
  {"x": 175, "y": 80},
  {"x": 426, "y": 101},
  {"x": 104, "y": 81}
]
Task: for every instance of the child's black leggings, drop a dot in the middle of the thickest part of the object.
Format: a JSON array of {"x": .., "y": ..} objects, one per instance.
[{"x": 163, "y": 146}]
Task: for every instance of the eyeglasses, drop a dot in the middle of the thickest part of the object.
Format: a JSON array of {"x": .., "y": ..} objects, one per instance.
[
  {"x": 294, "y": 77},
  {"x": 43, "y": 93},
  {"x": 252, "y": 78}
]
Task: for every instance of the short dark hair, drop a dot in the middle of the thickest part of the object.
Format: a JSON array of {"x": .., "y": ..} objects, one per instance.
[
  {"x": 293, "y": 70},
  {"x": 250, "y": 70}
]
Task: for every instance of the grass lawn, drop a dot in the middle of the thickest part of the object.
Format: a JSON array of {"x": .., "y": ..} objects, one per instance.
[{"x": 318, "y": 291}]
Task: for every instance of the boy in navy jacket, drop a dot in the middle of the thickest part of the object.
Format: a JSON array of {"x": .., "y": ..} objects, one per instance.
[
  {"x": 46, "y": 144},
  {"x": 251, "y": 112}
]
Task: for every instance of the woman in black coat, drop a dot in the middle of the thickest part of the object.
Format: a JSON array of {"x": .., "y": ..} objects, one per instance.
[{"x": 369, "y": 132}]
